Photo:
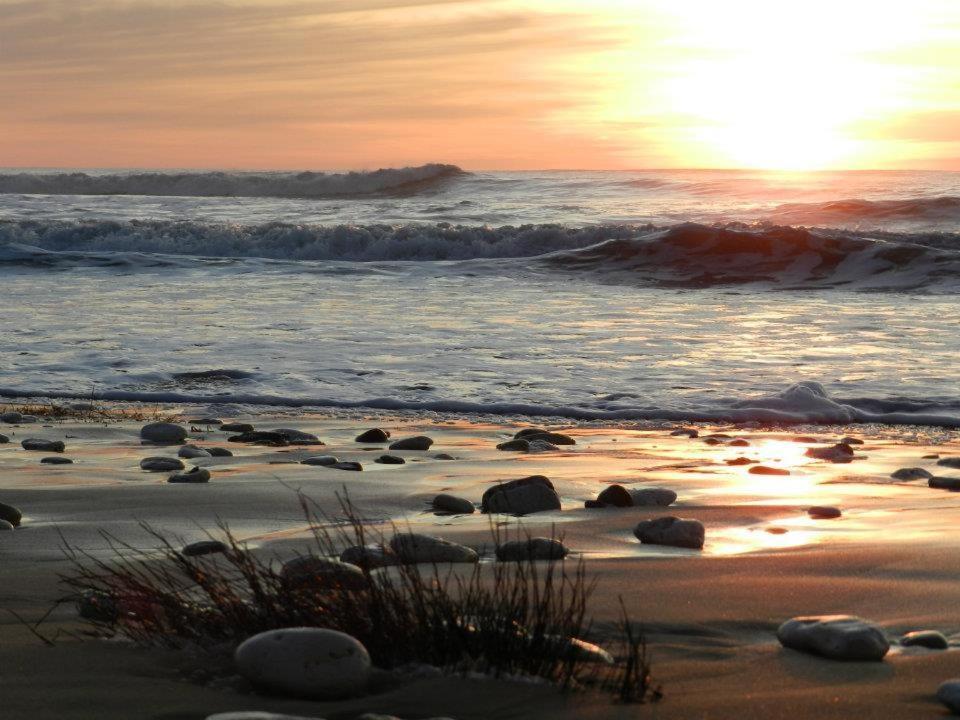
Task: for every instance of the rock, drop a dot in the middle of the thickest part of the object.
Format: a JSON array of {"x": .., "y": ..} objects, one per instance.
[
  {"x": 593, "y": 504},
  {"x": 196, "y": 475},
  {"x": 416, "y": 548},
  {"x": 204, "y": 547},
  {"x": 43, "y": 445},
  {"x": 719, "y": 436},
  {"x": 739, "y": 442},
  {"x": 298, "y": 437},
  {"x": 305, "y": 662},
  {"x": 163, "y": 433},
  {"x": 712, "y": 441},
  {"x": 550, "y": 437},
  {"x": 764, "y": 470},
  {"x": 6, "y": 526},
  {"x": 518, "y": 445},
  {"x": 950, "y": 462},
  {"x": 260, "y": 437},
  {"x": 310, "y": 572},
  {"x": 390, "y": 460},
  {"x": 908, "y": 474},
  {"x": 378, "y": 716},
  {"x": 741, "y": 461},
  {"x": 11, "y": 418},
  {"x": 529, "y": 431},
  {"x": 932, "y": 456},
  {"x": 823, "y": 512},
  {"x": 540, "y": 446},
  {"x": 443, "y": 456},
  {"x": 98, "y": 606},
  {"x": 55, "y": 460},
  {"x": 806, "y": 439},
  {"x": 925, "y": 638},
  {"x": 615, "y": 495},
  {"x": 851, "y": 441},
  {"x": 27, "y": 419},
  {"x": 322, "y": 460},
  {"x": 538, "y": 548},
  {"x": 373, "y": 435},
  {"x": 949, "y": 694},
  {"x": 347, "y": 465},
  {"x": 219, "y": 452},
  {"x": 839, "y": 453},
  {"x": 11, "y": 514},
  {"x": 689, "y": 432},
  {"x": 521, "y": 497},
  {"x": 839, "y": 637},
  {"x": 420, "y": 442},
  {"x": 452, "y": 504},
  {"x": 4, "y": 439},
  {"x": 161, "y": 464},
  {"x": 189, "y": 452},
  {"x": 205, "y": 421},
  {"x": 237, "y": 427},
  {"x": 649, "y": 497},
  {"x": 369, "y": 556},
  {"x": 944, "y": 483},
  {"x": 671, "y": 531},
  {"x": 257, "y": 715}
]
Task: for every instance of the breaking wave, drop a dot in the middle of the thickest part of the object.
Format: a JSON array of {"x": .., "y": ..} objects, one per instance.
[
  {"x": 851, "y": 212},
  {"x": 232, "y": 184}
]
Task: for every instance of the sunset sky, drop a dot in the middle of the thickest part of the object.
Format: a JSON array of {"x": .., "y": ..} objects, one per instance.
[{"x": 497, "y": 84}]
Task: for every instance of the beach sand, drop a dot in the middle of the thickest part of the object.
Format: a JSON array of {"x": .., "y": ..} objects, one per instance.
[{"x": 710, "y": 616}]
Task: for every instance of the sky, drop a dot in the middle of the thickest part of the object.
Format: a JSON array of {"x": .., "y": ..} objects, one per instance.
[{"x": 491, "y": 84}]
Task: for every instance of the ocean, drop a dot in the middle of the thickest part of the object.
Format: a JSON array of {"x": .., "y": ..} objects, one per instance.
[{"x": 676, "y": 295}]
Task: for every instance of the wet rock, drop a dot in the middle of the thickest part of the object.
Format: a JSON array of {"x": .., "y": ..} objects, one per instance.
[
  {"x": 944, "y": 483},
  {"x": 11, "y": 514},
  {"x": 260, "y": 437},
  {"x": 390, "y": 460},
  {"x": 689, "y": 432},
  {"x": 949, "y": 694},
  {"x": 739, "y": 442},
  {"x": 719, "y": 436},
  {"x": 219, "y": 452},
  {"x": 443, "y": 456},
  {"x": 950, "y": 462},
  {"x": 806, "y": 439},
  {"x": 671, "y": 531},
  {"x": 305, "y": 662},
  {"x": 416, "y": 548},
  {"x": 237, "y": 427},
  {"x": 652, "y": 497},
  {"x": 347, "y": 465},
  {"x": 98, "y": 606},
  {"x": 322, "y": 460},
  {"x": 373, "y": 435},
  {"x": 322, "y": 574},
  {"x": 712, "y": 441},
  {"x": 925, "y": 638},
  {"x": 537, "y": 548},
  {"x": 11, "y": 418},
  {"x": 615, "y": 495},
  {"x": 6, "y": 526},
  {"x": 37, "y": 444},
  {"x": 163, "y": 433},
  {"x": 839, "y": 453},
  {"x": 908, "y": 474},
  {"x": 594, "y": 504},
  {"x": 4, "y": 439},
  {"x": 839, "y": 637},
  {"x": 161, "y": 464},
  {"x": 369, "y": 556},
  {"x": 452, "y": 504},
  {"x": 764, "y": 470},
  {"x": 541, "y": 446},
  {"x": 189, "y": 452},
  {"x": 550, "y": 437},
  {"x": 518, "y": 445},
  {"x": 419, "y": 442},
  {"x": 56, "y": 460},
  {"x": 738, "y": 461},
  {"x": 932, "y": 456},
  {"x": 851, "y": 440},
  {"x": 529, "y": 431},
  {"x": 196, "y": 475},
  {"x": 298, "y": 437},
  {"x": 521, "y": 497},
  {"x": 823, "y": 512},
  {"x": 204, "y": 547}
]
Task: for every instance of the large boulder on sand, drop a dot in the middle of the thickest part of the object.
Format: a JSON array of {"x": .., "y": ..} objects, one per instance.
[
  {"x": 671, "y": 531},
  {"x": 305, "y": 662},
  {"x": 163, "y": 433},
  {"x": 536, "y": 548},
  {"x": 420, "y": 442},
  {"x": 315, "y": 573},
  {"x": 521, "y": 497},
  {"x": 839, "y": 637},
  {"x": 415, "y": 548},
  {"x": 161, "y": 464}
]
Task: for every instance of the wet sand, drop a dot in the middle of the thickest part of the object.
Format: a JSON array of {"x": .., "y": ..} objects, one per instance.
[{"x": 710, "y": 615}]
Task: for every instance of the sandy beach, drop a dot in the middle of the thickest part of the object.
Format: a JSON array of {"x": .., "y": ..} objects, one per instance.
[{"x": 710, "y": 615}]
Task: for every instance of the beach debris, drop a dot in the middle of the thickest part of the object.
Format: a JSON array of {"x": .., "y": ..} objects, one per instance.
[
  {"x": 260, "y": 437},
  {"x": 346, "y": 465},
  {"x": 43, "y": 445},
  {"x": 535, "y": 548},
  {"x": 305, "y": 662},
  {"x": 766, "y": 470},
  {"x": 931, "y": 639},
  {"x": 672, "y": 531},
  {"x": 907, "y": 474},
  {"x": 219, "y": 452},
  {"x": 839, "y": 453},
  {"x": 418, "y": 442},
  {"x": 416, "y": 548},
  {"x": 390, "y": 460},
  {"x": 204, "y": 547},
  {"x": 949, "y": 694},
  {"x": 824, "y": 512},
  {"x": 163, "y": 433},
  {"x": 944, "y": 483},
  {"x": 161, "y": 464},
  {"x": 521, "y": 497},
  {"x": 56, "y": 460},
  {"x": 237, "y": 427},
  {"x": 838, "y": 637},
  {"x": 189, "y": 452},
  {"x": 322, "y": 460},
  {"x": 196, "y": 475},
  {"x": 452, "y": 504},
  {"x": 373, "y": 435},
  {"x": 298, "y": 437},
  {"x": 316, "y": 573},
  {"x": 689, "y": 432},
  {"x": 950, "y": 462},
  {"x": 369, "y": 556}
]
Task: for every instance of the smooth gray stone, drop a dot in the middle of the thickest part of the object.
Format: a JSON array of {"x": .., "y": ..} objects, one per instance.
[
  {"x": 37, "y": 444},
  {"x": 824, "y": 512},
  {"x": 615, "y": 495},
  {"x": 369, "y": 556},
  {"x": 321, "y": 460},
  {"x": 521, "y": 497},
  {"x": 305, "y": 662},
  {"x": 908, "y": 474},
  {"x": 419, "y": 442},
  {"x": 390, "y": 460},
  {"x": 550, "y": 437},
  {"x": 6, "y": 526},
  {"x": 204, "y": 547},
  {"x": 415, "y": 548},
  {"x": 689, "y": 432},
  {"x": 453, "y": 504},
  {"x": 189, "y": 452},
  {"x": 219, "y": 452},
  {"x": 373, "y": 436},
  {"x": 538, "y": 548},
  {"x": 347, "y": 465},
  {"x": 4, "y": 439},
  {"x": 11, "y": 514},
  {"x": 164, "y": 433},
  {"x": 311, "y": 572},
  {"x": 839, "y": 453},
  {"x": 161, "y": 464},
  {"x": 196, "y": 475},
  {"x": 529, "y": 431},
  {"x": 647, "y": 497},
  {"x": 237, "y": 427},
  {"x": 671, "y": 531},
  {"x": 949, "y": 694},
  {"x": 56, "y": 460},
  {"x": 950, "y": 462},
  {"x": 516, "y": 445},
  {"x": 11, "y": 418},
  {"x": 838, "y": 637},
  {"x": 944, "y": 483},
  {"x": 443, "y": 456},
  {"x": 764, "y": 470},
  {"x": 536, "y": 445},
  {"x": 298, "y": 437},
  {"x": 925, "y": 638}
]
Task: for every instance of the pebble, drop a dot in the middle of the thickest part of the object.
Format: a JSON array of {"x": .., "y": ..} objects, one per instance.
[
  {"x": 944, "y": 483},
  {"x": 189, "y": 452},
  {"x": 764, "y": 470},
  {"x": 671, "y": 531},
  {"x": 390, "y": 460},
  {"x": 237, "y": 427},
  {"x": 56, "y": 460},
  {"x": 416, "y": 548},
  {"x": 839, "y": 637},
  {"x": 420, "y": 442},
  {"x": 163, "y": 433},
  {"x": 204, "y": 547},
  {"x": 949, "y": 694},
  {"x": 321, "y": 460},
  {"x": 369, "y": 556},
  {"x": 925, "y": 638},
  {"x": 908, "y": 474},
  {"x": 521, "y": 497},
  {"x": 453, "y": 504},
  {"x": 373, "y": 435},
  {"x": 347, "y": 465},
  {"x": 196, "y": 475},
  {"x": 11, "y": 514},
  {"x": 950, "y": 462},
  {"x": 161, "y": 464},
  {"x": 305, "y": 662},
  {"x": 317, "y": 573},
  {"x": 536, "y": 548},
  {"x": 43, "y": 445},
  {"x": 823, "y": 512},
  {"x": 298, "y": 437}
]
